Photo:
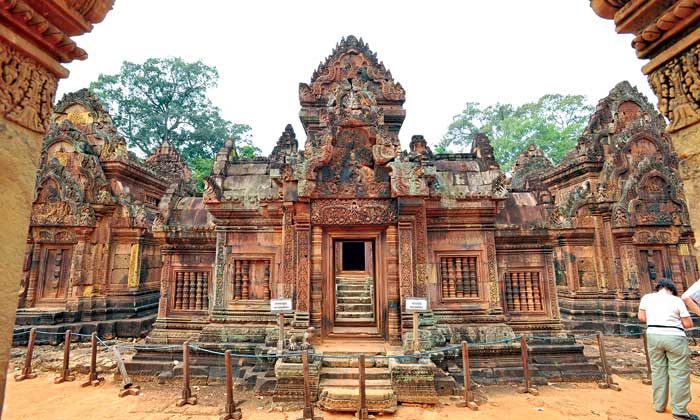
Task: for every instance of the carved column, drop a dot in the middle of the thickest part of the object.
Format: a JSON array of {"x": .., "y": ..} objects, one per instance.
[
  {"x": 309, "y": 272},
  {"x": 285, "y": 287},
  {"x": 219, "y": 268},
  {"x": 406, "y": 279},
  {"x": 394, "y": 298},
  {"x": 75, "y": 279},
  {"x": 165, "y": 285},
  {"x": 308, "y": 262},
  {"x": 32, "y": 44},
  {"x": 33, "y": 275},
  {"x": 495, "y": 306},
  {"x": 421, "y": 252}
]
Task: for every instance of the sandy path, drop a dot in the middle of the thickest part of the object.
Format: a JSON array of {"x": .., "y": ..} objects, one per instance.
[{"x": 41, "y": 399}]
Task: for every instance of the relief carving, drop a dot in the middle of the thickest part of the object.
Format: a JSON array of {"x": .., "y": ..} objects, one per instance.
[
  {"x": 677, "y": 85},
  {"x": 26, "y": 90},
  {"x": 353, "y": 212}
]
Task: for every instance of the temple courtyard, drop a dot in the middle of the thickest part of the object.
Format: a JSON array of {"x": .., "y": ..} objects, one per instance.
[
  {"x": 581, "y": 400},
  {"x": 157, "y": 402}
]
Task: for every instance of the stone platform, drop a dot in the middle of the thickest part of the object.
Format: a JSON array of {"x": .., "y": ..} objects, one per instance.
[{"x": 108, "y": 321}]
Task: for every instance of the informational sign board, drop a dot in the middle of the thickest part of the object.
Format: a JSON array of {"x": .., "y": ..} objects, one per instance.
[
  {"x": 280, "y": 306},
  {"x": 416, "y": 304}
]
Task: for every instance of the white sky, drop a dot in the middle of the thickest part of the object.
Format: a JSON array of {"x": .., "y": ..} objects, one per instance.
[{"x": 443, "y": 53}]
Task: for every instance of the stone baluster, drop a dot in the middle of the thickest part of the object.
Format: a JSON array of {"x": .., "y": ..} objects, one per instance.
[
  {"x": 198, "y": 291},
  {"x": 528, "y": 285},
  {"x": 536, "y": 291},
  {"x": 237, "y": 280},
  {"x": 245, "y": 277},
  {"x": 205, "y": 291},
  {"x": 459, "y": 283},
  {"x": 451, "y": 276},
  {"x": 193, "y": 291},
  {"x": 179, "y": 279},
  {"x": 186, "y": 291},
  {"x": 508, "y": 284},
  {"x": 523, "y": 291},
  {"x": 473, "y": 286},
  {"x": 516, "y": 291},
  {"x": 466, "y": 277},
  {"x": 443, "y": 275},
  {"x": 266, "y": 280}
]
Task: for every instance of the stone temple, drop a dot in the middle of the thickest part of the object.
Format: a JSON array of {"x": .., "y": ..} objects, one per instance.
[{"x": 349, "y": 228}]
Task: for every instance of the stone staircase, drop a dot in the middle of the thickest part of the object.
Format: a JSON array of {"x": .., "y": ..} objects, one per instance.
[
  {"x": 354, "y": 300},
  {"x": 339, "y": 388}
]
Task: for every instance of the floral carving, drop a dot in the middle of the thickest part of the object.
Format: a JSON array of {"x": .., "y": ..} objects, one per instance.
[{"x": 353, "y": 212}]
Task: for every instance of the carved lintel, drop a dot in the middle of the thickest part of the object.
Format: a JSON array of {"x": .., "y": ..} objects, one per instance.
[{"x": 353, "y": 212}]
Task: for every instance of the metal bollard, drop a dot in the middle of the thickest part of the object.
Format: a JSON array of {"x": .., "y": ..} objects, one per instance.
[
  {"x": 308, "y": 413},
  {"x": 468, "y": 394},
  {"x": 607, "y": 382},
  {"x": 65, "y": 376},
  {"x": 93, "y": 378},
  {"x": 231, "y": 412},
  {"x": 363, "y": 412},
  {"x": 187, "y": 396},
  {"x": 527, "y": 380},
  {"x": 127, "y": 388},
  {"x": 27, "y": 369},
  {"x": 647, "y": 380},
  {"x": 416, "y": 333}
]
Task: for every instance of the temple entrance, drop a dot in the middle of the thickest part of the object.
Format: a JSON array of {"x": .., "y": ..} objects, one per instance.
[
  {"x": 355, "y": 301},
  {"x": 354, "y": 286}
]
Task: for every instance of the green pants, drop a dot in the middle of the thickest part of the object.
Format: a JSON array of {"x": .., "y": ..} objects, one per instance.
[{"x": 670, "y": 363}]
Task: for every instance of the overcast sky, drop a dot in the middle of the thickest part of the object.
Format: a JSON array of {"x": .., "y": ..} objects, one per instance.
[{"x": 443, "y": 53}]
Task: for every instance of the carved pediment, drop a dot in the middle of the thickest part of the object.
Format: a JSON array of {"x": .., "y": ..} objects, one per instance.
[{"x": 352, "y": 111}]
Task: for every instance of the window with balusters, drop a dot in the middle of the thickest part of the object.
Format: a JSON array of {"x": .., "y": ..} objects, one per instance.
[
  {"x": 523, "y": 291},
  {"x": 251, "y": 279},
  {"x": 191, "y": 290},
  {"x": 459, "y": 277}
]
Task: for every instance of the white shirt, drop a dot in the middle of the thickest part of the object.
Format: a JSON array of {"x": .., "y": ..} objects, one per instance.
[
  {"x": 693, "y": 292},
  {"x": 663, "y": 308}
]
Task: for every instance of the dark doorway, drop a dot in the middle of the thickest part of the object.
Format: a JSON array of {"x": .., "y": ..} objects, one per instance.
[{"x": 353, "y": 256}]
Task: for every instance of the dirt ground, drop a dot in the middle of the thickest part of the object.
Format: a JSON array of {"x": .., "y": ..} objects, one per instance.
[{"x": 40, "y": 398}]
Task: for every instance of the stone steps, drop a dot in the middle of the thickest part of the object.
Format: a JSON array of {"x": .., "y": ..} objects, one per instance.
[
  {"x": 342, "y": 287},
  {"x": 352, "y": 307},
  {"x": 354, "y": 300},
  {"x": 354, "y": 293},
  {"x": 355, "y": 320},
  {"x": 339, "y": 385},
  {"x": 354, "y": 373},
  {"x": 354, "y": 383}
]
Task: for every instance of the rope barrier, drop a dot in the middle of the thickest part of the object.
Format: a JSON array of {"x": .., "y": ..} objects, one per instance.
[{"x": 196, "y": 347}]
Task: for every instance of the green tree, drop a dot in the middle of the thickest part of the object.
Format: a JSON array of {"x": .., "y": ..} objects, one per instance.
[
  {"x": 166, "y": 99},
  {"x": 553, "y": 123}
]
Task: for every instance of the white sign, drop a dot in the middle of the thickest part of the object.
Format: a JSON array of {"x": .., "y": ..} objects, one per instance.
[
  {"x": 416, "y": 304},
  {"x": 280, "y": 305}
]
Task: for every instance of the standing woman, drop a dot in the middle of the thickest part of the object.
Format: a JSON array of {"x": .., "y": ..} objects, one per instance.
[{"x": 667, "y": 319}]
